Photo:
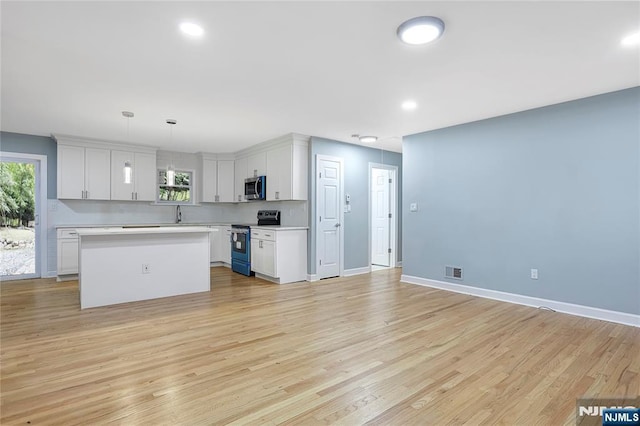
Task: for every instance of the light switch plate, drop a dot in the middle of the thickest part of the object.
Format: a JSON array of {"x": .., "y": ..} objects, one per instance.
[{"x": 413, "y": 207}]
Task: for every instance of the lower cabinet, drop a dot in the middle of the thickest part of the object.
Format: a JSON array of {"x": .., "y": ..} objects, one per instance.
[
  {"x": 279, "y": 255},
  {"x": 225, "y": 244},
  {"x": 220, "y": 250},
  {"x": 67, "y": 252},
  {"x": 263, "y": 257}
]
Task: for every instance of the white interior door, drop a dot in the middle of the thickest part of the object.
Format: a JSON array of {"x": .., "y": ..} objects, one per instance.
[
  {"x": 380, "y": 217},
  {"x": 328, "y": 217}
]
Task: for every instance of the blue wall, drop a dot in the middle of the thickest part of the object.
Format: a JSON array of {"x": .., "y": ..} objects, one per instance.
[
  {"x": 41, "y": 145},
  {"x": 555, "y": 188},
  {"x": 356, "y": 183}
]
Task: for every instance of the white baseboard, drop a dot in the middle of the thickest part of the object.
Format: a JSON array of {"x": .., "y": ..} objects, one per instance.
[
  {"x": 312, "y": 277},
  {"x": 356, "y": 271},
  {"x": 564, "y": 307}
]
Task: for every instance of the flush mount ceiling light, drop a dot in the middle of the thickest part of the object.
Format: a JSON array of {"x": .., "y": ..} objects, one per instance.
[
  {"x": 421, "y": 30},
  {"x": 368, "y": 139},
  {"x": 409, "y": 105},
  {"x": 191, "y": 29},
  {"x": 631, "y": 40}
]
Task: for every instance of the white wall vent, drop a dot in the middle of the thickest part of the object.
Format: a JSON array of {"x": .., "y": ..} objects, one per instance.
[{"x": 453, "y": 272}]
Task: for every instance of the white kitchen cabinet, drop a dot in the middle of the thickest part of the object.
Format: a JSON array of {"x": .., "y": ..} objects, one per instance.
[
  {"x": 143, "y": 177},
  {"x": 217, "y": 181},
  {"x": 67, "y": 251},
  {"x": 209, "y": 181},
  {"x": 287, "y": 172},
  {"x": 220, "y": 244},
  {"x": 226, "y": 178},
  {"x": 257, "y": 164},
  {"x": 279, "y": 255},
  {"x": 263, "y": 253},
  {"x": 225, "y": 245},
  {"x": 83, "y": 173},
  {"x": 240, "y": 174},
  {"x": 214, "y": 240}
]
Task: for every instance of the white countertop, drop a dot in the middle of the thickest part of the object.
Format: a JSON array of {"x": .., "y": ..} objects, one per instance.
[
  {"x": 119, "y": 225},
  {"x": 280, "y": 228},
  {"x": 142, "y": 230}
]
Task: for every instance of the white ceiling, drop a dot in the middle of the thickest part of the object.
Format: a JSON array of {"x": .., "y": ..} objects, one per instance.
[{"x": 328, "y": 69}]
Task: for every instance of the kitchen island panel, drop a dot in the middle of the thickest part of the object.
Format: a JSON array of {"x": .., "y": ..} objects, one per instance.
[{"x": 112, "y": 266}]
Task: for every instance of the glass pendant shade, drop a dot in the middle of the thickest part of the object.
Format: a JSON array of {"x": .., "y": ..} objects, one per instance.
[
  {"x": 171, "y": 175},
  {"x": 127, "y": 172}
]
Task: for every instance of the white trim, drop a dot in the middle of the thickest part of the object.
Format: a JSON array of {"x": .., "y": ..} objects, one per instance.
[
  {"x": 356, "y": 271},
  {"x": 102, "y": 143},
  {"x": 393, "y": 200},
  {"x": 320, "y": 157},
  {"x": 312, "y": 277},
  {"x": 42, "y": 269},
  {"x": 564, "y": 307}
]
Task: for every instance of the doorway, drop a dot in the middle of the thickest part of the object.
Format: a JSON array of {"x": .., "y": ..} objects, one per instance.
[
  {"x": 21, "y": 242},
  {"x": 329, "y": 216},
  {"x": 382, "y": 216}
]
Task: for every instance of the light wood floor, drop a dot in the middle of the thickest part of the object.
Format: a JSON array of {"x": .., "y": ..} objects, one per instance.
[{"x": 349, "y": 351}]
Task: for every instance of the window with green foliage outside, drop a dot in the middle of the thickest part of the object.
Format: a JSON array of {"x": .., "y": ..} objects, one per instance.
[{"x": 180, "y": 192}]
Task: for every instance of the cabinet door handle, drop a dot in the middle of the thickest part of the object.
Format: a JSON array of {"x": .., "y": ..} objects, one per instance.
[
  {"x": 136, "y": 196},
  {"x": 260, "y": 243},
  {"x": 277, "y": 195},
  {"x": 217, "y": 198}
]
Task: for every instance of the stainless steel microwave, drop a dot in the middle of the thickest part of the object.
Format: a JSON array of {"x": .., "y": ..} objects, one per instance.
[{"x": 255, "y": 188}]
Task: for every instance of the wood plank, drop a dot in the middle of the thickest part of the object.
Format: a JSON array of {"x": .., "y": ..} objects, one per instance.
[{"x": 340, "y": 351}]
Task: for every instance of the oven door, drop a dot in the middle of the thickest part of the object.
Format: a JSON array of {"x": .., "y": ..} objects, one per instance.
[{"x": 239, "y": 245}]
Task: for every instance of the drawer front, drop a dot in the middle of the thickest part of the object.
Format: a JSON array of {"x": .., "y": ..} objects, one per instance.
[
  {"x": 263, "y": 234},
  {"x": 67, "y": 233}
]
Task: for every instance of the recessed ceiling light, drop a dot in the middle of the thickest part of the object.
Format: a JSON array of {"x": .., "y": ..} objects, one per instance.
[
  {"x": 631, "y": 40},
  {"x": 368, "y": 139},
  {"x": 409, "y": 105},
  {"x": 421, "y": 30},
  {"x": 191, "y": 29}
]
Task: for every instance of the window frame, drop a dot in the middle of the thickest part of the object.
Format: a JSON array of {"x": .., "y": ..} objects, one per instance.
[{"x": 191, "y": 187}]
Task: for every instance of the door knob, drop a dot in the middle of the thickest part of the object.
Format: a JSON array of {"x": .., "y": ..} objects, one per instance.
[{"x": 337, "y": 225}]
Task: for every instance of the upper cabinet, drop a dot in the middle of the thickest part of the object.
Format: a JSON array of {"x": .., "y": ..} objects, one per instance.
[
  {"x": 142, "y": 185},
  {"x": 240, "y": 174},
  {"x": 285, "y": 163},
  {"x": 83, "y": 173},
  {"x": 91, "y": 169},
  {"x": 257, "y": 164},
  {"x": 287, "y": 170},
  {"x": 217, "y": 180}
]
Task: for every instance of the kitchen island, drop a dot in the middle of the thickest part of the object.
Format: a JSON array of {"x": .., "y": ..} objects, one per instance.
[{"x": 126, "y": 264}]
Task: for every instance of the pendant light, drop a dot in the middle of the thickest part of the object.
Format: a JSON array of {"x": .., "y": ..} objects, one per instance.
[
  {"x": 171, "y": 171},
  {"x": 127, "y": 165}
]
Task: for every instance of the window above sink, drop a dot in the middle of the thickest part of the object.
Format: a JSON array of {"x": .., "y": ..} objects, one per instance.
[{"x": 179, "y": 193}]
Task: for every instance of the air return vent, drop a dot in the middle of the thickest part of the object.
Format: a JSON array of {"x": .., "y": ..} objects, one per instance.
[{"x": 453, "y": 272}]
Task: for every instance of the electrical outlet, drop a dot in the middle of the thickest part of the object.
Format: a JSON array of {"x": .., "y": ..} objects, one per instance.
[
  {"x": 413, "y": 207},
  {"x": 534, "y": 274},
  {"x": 146, "y": 268}
]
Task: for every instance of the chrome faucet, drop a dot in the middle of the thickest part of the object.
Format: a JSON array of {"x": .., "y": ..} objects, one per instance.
[{"x": 178, "y": 214}]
